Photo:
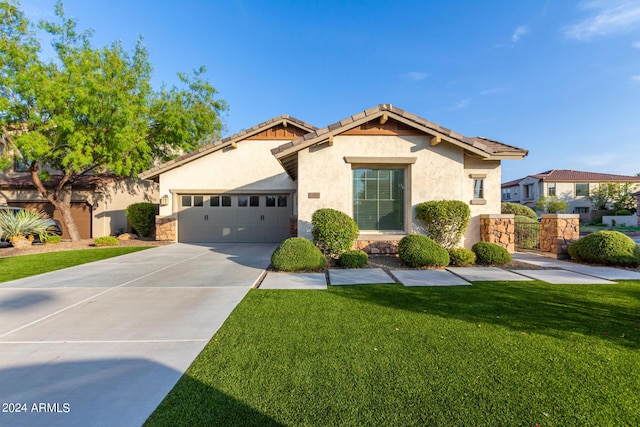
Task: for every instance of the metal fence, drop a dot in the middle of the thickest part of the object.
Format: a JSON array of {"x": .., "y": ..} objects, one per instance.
[{"x": 527, "y": 235}]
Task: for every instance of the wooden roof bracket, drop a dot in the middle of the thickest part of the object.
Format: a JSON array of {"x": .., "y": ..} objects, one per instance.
[
  {"x": 435, "y": 140},
  {"x": 384, "y": 118}
]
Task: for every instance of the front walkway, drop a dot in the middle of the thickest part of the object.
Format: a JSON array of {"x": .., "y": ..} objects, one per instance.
[
  {"x": 558, "y": 272},
  {"x": 101, "y": 344}
]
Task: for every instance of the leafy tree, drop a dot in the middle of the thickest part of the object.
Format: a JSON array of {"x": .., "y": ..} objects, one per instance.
[
  {"x": 616, "y": 195},
  {"x": 551, "y": 205},
  {"x": 91, "y": 110}
]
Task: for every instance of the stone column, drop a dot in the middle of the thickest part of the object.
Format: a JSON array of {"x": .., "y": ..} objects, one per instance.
[
  {"x": 557, "y": 231},
  {"x": 499, "y": 229},
  {"x": 166, "y": 228}
]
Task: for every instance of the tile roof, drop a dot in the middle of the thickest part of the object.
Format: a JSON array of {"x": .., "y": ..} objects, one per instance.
[
  {"x": 567, "y": 175},
  {"x": 484, "y": 147},
  {"x": 512, "y": 183},
  {"x": 80, "y": 182},
  {"x": 217, "y": 145}
]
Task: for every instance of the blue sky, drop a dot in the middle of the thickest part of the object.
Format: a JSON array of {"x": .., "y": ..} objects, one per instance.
[{"x": 560, "y": 78}]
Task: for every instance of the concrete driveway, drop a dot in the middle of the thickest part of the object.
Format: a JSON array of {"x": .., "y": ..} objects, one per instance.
[{"x": 103, "y": 343}]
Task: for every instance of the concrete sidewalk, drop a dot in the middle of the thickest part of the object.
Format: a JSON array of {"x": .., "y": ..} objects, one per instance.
[
  {"x": 558, "y": 272},
  {"x": 101, "y": 344}
]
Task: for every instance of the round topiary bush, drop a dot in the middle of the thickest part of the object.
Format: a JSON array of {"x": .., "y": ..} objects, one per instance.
[
  {"x": 142, "y": 217},
  {"x": 461, "y": 257},
  {"x": 417, "y": 250},
  {"x": 518, "y": 209},
  {"x": 444, "y": 220},
  {"x": 333, "y": 231},
  {"x": 353, "y": 259},
  {"x": 606, "y": 247},
  {"x": 297, "y": 254},
  {"x": 490, "y": 253}
]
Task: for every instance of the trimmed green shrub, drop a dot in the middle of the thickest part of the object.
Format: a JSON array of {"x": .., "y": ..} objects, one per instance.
[
  {"x": 52, "y": 239},
  {"x": 106, "y": 241},
  {"x": 142, "y": 217},
  {"x": 353, "y": 259},
  {"x": 461, "y": 257},
  {"x": 417, "y": 250},
  {"x": 623, "y": 212},
  {"x": 490, "y": 254},
  {"x": 333, "y": 231},
  {"x": 522, "y": 218},
  {"x": 606, "y": 247},
  {"x": 297, "y": 254},
  {"x": 518, "y": 209},
  {"x": 444, "y": 220}
]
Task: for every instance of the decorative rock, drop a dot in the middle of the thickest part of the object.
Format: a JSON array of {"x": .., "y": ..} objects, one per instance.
[{"x": 127, "y": 236}]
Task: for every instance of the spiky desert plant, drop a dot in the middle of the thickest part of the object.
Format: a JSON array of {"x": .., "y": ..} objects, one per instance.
[{"x": 23, "y": 223}]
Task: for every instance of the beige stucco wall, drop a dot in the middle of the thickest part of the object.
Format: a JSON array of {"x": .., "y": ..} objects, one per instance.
[
  {"x": 439, "y": 173},
  {"x": 110, "y": 204},
  {"x": 249, "y": 167}
]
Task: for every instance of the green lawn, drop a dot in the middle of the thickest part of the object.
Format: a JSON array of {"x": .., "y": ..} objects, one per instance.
[
  {"x": 17, "y": 267},
  {"x": 594, "y": 228},
  {"x": 494, "y": 354}
]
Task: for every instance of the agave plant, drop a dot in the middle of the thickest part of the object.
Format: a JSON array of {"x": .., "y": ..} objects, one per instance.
[{"x": 18, "y": 225}]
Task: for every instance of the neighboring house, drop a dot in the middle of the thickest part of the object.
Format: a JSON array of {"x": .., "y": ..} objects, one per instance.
[
  {"x": 376, "y": 166},
  {"x": 571, "y": 186},
  {"x": 98, "y": 203}
]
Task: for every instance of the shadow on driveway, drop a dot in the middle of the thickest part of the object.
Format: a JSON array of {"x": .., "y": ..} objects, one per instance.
[{"x": 89, "y": 393}]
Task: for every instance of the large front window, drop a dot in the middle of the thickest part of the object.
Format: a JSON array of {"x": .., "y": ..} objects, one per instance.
[{"x": 378, "y": 199}]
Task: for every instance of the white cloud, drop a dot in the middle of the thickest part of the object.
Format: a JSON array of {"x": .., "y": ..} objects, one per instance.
[
  {"x": 463, "y": 103},
  {"x": 415, "y": 76},
  {"x": 520, "y": 31},
  {"x": 636, "y": 78},
  {"x": 636, "y": 44},
  {"x": 606, "y": 17}
]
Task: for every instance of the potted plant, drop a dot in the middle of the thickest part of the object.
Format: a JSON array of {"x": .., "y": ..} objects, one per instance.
[{"x": 17, "y": 226}]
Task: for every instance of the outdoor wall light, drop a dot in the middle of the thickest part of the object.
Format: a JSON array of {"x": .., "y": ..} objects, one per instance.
[{"x": 164, "y": 200}]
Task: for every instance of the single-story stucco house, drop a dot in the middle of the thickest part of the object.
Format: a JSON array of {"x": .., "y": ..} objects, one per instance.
[{"x": 260, "y": 184}]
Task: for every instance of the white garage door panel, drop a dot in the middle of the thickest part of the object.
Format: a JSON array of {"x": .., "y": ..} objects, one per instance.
[{"x": 211, "y": 219}]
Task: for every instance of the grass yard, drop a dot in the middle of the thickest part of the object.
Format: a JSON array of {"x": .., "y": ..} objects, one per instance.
[
  {"x": 594, "y": 228},
  {"x": 17, "y": 267},
  {"x": 494, "y": 354}
]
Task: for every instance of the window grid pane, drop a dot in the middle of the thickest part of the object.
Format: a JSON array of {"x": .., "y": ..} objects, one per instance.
[{"x": 379, "y": 199}]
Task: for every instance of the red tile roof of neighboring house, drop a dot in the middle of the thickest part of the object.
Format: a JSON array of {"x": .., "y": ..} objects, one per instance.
[
  {"x": 567, "y": 175},
  {"x": 80, "y": 182},
  {"x": 512, "y": 183}
]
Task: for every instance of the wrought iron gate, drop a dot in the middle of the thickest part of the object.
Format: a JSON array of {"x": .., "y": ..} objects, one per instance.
[{"x": 527, "y": 235}]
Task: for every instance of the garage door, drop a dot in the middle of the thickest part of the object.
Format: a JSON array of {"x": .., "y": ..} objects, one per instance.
[
  {"x": 80, "y": 212},
  {"x": 234, "y": 217}
]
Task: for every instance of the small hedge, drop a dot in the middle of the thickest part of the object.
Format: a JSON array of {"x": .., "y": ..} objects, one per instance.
[
  {"x": 461, "y": 257},
  {"x": 142, "y": 217},
  {"x": 353, "y": 259},
  {"x": 444, "y": 220},
  {"x": 518, "y": 209},
  {"x": 417, "y": 250},
  {"x": 490, "y": 254},
  {"x": 52, "y": 239},
  {"x": 106, "y": 241},
  {"x": 333, "y": 231},
  {"x": 623, "y": 212},
  {"x": 297, "y": 254},
  {"x": 606, "y": 247}
]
